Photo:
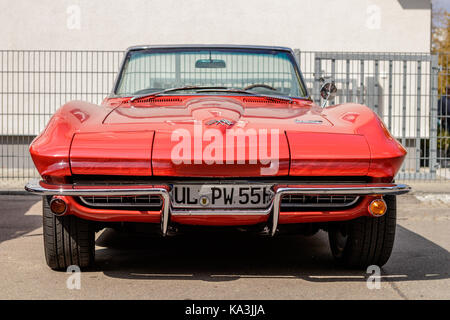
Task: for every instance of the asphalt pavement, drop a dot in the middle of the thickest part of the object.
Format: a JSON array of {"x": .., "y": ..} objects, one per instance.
[{"x": 215, "y": 265}]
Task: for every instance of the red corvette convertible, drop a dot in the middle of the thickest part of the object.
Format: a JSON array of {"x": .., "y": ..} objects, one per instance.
[{"x": 217, "y": 136}]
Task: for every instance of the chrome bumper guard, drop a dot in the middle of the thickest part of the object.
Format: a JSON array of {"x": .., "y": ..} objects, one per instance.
[{"x": 43, "y": 188}]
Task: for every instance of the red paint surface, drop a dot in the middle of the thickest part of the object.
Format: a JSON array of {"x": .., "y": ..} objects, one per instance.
[
  {"x": 116, "y": 153},
  {"x": 122, "y": 138}
]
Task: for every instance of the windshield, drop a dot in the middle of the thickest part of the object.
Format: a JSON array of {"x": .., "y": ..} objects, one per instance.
[{"x": 261, "y": 71}]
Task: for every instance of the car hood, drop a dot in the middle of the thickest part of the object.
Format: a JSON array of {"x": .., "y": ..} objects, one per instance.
[
  {"x": 241, "y": 112},
  {"x": 148, "y": 138}
]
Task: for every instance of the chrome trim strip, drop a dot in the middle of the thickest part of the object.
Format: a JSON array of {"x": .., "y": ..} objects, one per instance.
[
  {"x": 368, "y": 189},
  {"x": 351, "y": 189},
  {"x": 35, "y": 186},
  {"x": 208, "y": 46},
  {"x": 276, "y": 212},
  {"x": 165, "y": 216},
  {"x": 241, "y": 212}
]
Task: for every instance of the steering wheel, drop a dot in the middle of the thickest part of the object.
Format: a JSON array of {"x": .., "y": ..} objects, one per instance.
[{"x": 261, "y": 85}]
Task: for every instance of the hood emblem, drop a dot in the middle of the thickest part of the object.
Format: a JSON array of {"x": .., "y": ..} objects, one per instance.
[
  {"x": 308, "y": 121},
  {"x": 223, "y": 122}
]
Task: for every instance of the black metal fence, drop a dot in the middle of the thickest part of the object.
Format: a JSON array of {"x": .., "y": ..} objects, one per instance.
[
  {"x": 403, "y": 89},
  {"x": 406, "y": 89}
]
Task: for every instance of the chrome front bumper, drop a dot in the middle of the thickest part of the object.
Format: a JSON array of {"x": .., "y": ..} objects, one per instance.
[{"x": 43, "y": 188}]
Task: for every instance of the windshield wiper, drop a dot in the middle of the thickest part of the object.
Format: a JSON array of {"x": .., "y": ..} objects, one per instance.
[
  {"x": 235, "y": 90},
  {"x": 211, "y": 89},
  {"x": 154, "y": 94}
]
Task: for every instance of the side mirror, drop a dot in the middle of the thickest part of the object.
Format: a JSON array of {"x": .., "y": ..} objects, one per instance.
[{"x": 328, "y": 90}]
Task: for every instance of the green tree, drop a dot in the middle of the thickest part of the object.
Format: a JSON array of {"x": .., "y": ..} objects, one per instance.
[{"x": 440, "y": 44}]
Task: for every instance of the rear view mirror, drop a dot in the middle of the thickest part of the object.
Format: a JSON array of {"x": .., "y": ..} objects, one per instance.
[{"x": 210, "y": 63}]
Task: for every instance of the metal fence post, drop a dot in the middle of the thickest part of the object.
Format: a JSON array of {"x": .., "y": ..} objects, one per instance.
[
  {"x": 361, "y": 82},
  {"x": 390, "y": 97},
  {"x": 418, "y": 118},
  {"x": 333, "y": 75},
  {"x": 434, "y": 70},
  {"x": 317, "y": 72},
  {"x": 347, "y": 80},
  {"x": 297, "y": 57},
  {"x": 404, "y": 96},
  {"x": 376, "y": 92}
]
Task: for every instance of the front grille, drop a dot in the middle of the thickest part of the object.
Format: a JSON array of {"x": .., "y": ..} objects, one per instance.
[
  {"x": 309, "y": 201},
  {"x": 141, "y": 201}
]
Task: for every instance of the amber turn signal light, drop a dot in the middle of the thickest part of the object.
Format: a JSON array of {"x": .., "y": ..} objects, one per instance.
[
  {"x": 377, "y": 207},
  {"x": 58, "y": 206}
]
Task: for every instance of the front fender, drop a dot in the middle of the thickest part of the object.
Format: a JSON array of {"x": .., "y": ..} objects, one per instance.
[
  {"x": 386, "y": 153},
  {"x": 50, "y": 149}
]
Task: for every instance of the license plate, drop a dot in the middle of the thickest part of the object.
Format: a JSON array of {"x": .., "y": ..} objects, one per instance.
[{"x": 221, "y": 196}]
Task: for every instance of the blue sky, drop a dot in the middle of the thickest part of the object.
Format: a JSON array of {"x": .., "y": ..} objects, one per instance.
[{"x": 442, "y": 4}]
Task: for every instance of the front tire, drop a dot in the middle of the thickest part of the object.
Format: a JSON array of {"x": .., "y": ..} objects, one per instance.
[
  {"x": 366, "y": 240},
  {"x": 68, "y": 240}
]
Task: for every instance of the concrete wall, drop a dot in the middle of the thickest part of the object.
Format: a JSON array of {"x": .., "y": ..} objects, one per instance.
[
  {"x": 351, "y": 25},
  {"x": 35, "y": 84}
]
